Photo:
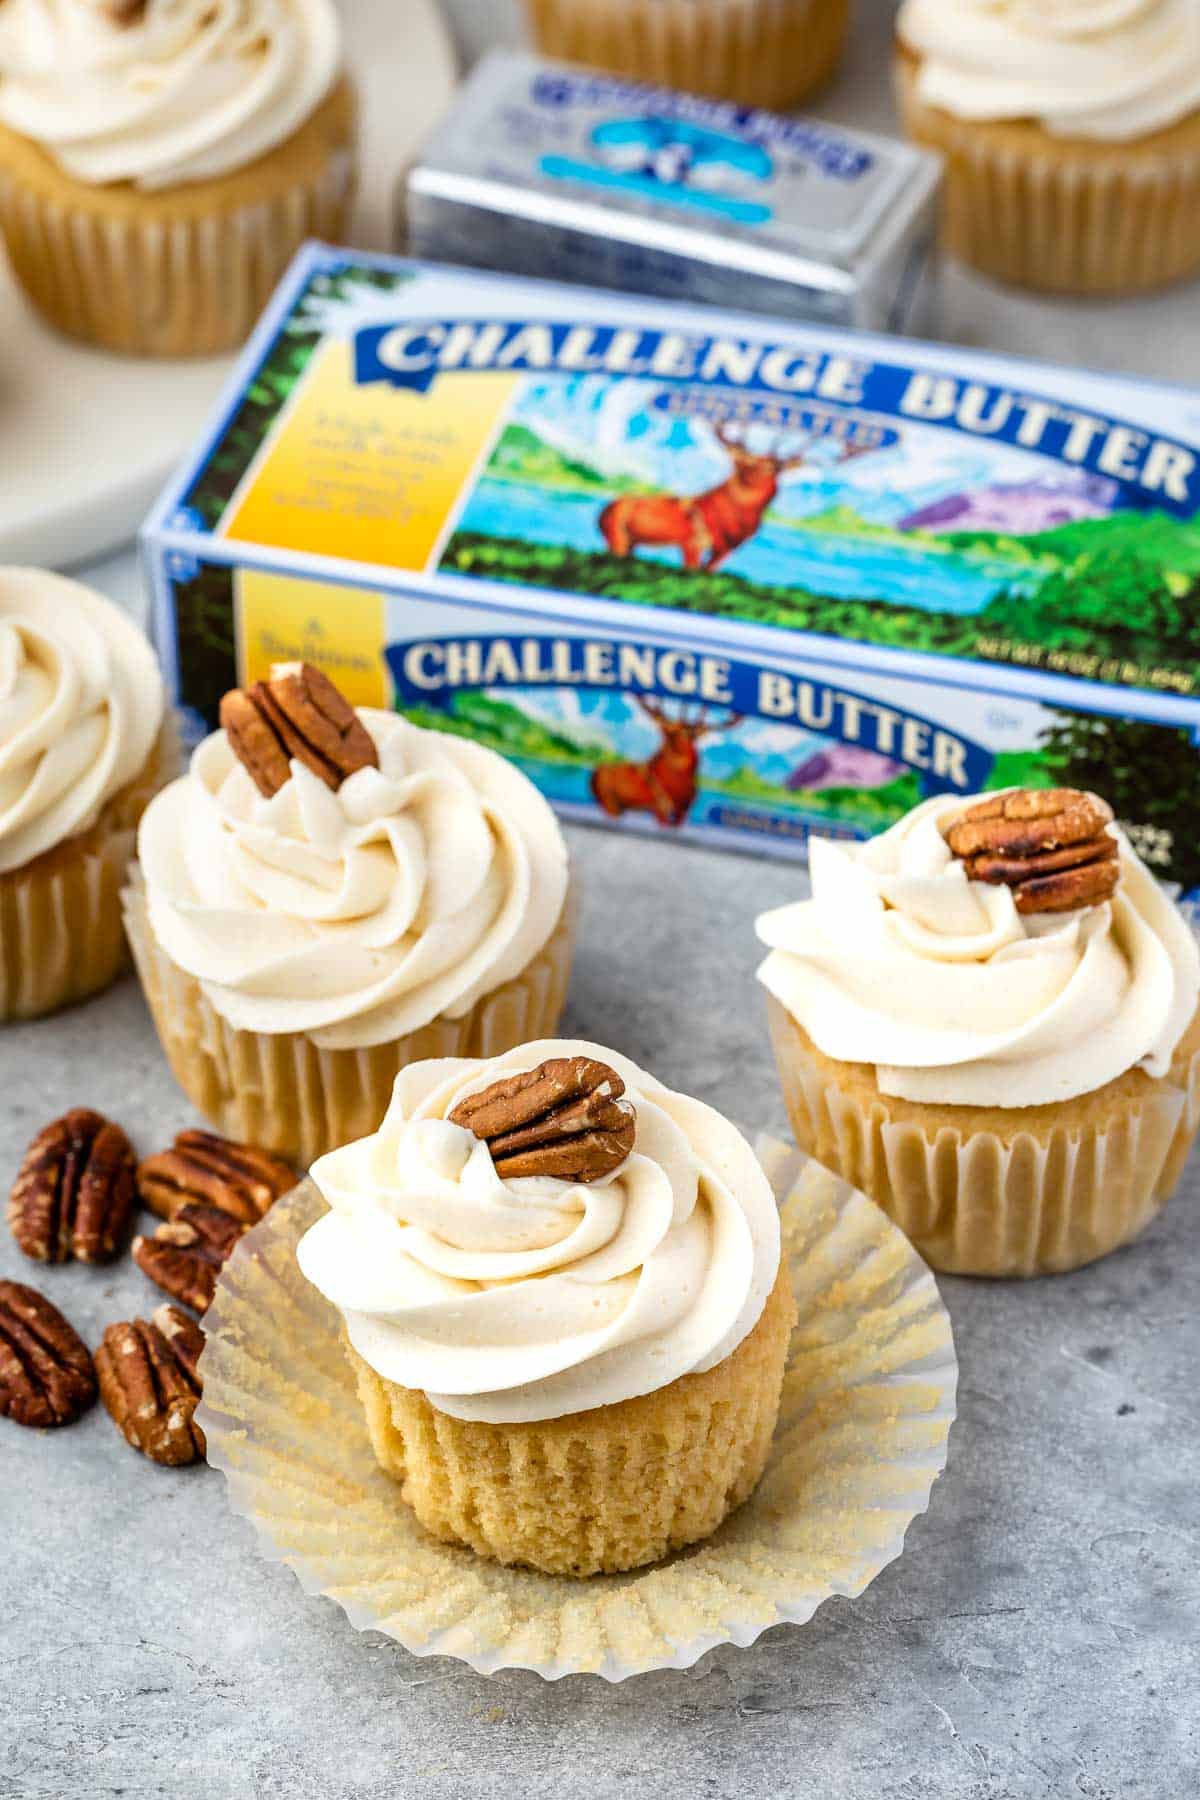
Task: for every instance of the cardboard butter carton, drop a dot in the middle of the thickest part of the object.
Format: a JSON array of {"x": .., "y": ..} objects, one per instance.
[{"x": 696, "y": 573}]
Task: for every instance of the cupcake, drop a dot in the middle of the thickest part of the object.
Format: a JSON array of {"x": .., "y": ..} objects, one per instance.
[
  {"x": 328, "y": 895},
  {"x": 986, "y": 1019},
  {"x": 84, "y": 742},
  {"x": 758, "y": 52},
  {"x": 561, "y": 1291},
  {"x": 161, "y": 161},
  {"x": 1070, "y": 132}
]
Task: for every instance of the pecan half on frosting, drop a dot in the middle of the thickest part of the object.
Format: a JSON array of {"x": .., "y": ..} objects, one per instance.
[
  {"x": 202, "y": 1167},
  {"x": 565, "y": 1118},
  {"x": 74, "y": 1192},
  {"x": 149, "y": 1384},
  {"x": 1051, "y": 846},
  {"x": 46, "y": 1372},
  {"x": 298, "y": 714}
]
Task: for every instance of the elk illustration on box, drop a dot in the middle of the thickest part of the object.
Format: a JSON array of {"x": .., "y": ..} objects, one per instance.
[
  {"x": 666, "y": 783},
  {"x": 708, "y": 527}
]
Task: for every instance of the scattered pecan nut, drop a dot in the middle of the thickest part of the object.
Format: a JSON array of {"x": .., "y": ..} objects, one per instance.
[
  {"x": 74, "y": 1191},
  {"x": 1051, "y": 846},
  {"x": 299, "y": 714},
  {"x": 564, "y": 1118},
  {"x": 200, "y": 1166},
  {"x": 46, "y": 1372},
  {"x": 148, "y": 1382},
  {"x": 186, "y": 1253}
]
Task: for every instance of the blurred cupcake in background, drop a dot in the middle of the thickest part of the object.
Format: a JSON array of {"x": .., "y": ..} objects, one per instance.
[
  {"x": 161, "y": 160},
  {"x": 85, "y": 741},
  {"x": 1071, "y": 134},
  {"x": 758, "y": 52}
]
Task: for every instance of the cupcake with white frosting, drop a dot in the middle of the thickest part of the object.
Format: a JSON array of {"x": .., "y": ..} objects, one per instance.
[
  {"x": 986, "y": 1018},
  {"x": 561, "y": 1290},
  {"x": 161, "y": 160},
  {"x": 84, "y": 742},
  {"x": 1070, "y": 131},
  {"x": 328, "y": 895}
]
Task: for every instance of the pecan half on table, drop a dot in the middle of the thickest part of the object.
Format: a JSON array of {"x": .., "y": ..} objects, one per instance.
[
  {"x": 74, "y": 1191},
  {"x": 202, "y": 1167},
  {"x": 187, "y": 1253},
  {"x": 564, "y": 1118},
  {"x": 149, "y": 1384},
  {"x": 299, "y": 714},
  {"x": 1051, "y": 846},
  {"x": 46, "y": 1372}
]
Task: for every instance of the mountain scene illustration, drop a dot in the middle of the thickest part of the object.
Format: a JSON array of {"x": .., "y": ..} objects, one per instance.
[{"x": 934, "y": 543}]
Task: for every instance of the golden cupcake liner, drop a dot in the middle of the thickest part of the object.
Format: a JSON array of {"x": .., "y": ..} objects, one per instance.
[
  {"x": 610, "y": 1489},
  {"x": 757, "y": 52},
  {"x": 1043, "y": 1201},
  {"x": 61, "y": 937},
  {"x": 180, "y": 272},
  {"x": 865, "y": 1414},
  {"x": 1062, "y": 215},
  {"x": 284, "y": 1092}
]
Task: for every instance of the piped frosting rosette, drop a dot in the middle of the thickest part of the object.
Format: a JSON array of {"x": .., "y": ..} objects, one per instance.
[
  {"x": 357, "y": 915},
  {"x": 162, "y": 92},
  {"x": 83, "y": 744},
  {"x": 1107, "y": 69},
  {"x": 528, "y": 1298},
  {"x": 1024, "y": 1102}
]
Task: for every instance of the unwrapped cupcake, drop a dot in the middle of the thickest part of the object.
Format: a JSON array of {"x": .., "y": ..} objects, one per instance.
[
  {"x": 84, "y": 743},
  {"x": 563, "y": 1296},
  {"x": 757, "y": 52},
  {"x": 986, "y": 1019},
  {"x": 162, "y": 160},
  {"x": 1070, "y": 131},
  {"x": 328, "y": 895}
]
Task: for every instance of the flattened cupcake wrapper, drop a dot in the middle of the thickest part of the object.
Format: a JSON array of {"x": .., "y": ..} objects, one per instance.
[
  {"x": 61, "y": 936},
  {"x": 758, "y": 52},
  {"x": 284, "y": 1092},
  {"x": 1025, "y": 208},
  {"x": 974, "y": 1205},
  {"x": 868, "y": 1400},
  {"x": 185, "y": 283}
]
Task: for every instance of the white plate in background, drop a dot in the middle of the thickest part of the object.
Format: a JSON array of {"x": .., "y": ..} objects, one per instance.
[{"x": 87, "y": 438}]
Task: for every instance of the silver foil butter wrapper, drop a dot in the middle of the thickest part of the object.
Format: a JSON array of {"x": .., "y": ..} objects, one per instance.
[{"x": 542, "y": 169}]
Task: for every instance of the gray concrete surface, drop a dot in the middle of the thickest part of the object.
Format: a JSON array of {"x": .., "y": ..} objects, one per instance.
[{"x": 1039, "y": 1638}]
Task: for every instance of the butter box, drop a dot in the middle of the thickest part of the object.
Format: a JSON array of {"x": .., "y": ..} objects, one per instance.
[
  {"x": 540, "y": 169},
  {"x": 699, "y": 574}
]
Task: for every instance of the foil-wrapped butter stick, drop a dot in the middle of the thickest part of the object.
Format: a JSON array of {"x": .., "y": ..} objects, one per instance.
[{"x": 541, "y": 169}]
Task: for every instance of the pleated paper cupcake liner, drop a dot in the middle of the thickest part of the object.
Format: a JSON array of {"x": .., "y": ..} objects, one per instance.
[
  {"x": 290, "y": 1095},
  {"x": 757, "y": 52},
  {"x": 868, "y": 1400},
  {"x": 61, "y": 937},
  {"x": 181, "y": 272},
  {"x": 1037, "y": 1203},
  {"x": 1063, "y": 216}
]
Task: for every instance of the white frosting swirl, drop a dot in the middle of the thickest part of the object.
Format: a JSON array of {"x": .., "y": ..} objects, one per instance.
[
  {"x": 81, "y": 704},
  {"x": 176, "y": 91},
  {"x": 901, "y": 961},
  {"x": 1111, "y": 70},
  {"x": 507, "y": 1301},
  {"x": 357, "y": 915}
]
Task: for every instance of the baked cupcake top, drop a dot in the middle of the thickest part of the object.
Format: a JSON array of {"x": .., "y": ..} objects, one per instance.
[
  {"x": 356, "y": 895},
  {"x": 163, "y": 92},
  {"x": 1009, "y": 950},
  {"x": 1112, "y": 70},
  {"x": 81, "y": 705},
  {"x": 543, "y": 1233}
]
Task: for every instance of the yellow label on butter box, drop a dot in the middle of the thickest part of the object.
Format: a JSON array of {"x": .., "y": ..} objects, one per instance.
[
  {"x": 281, "y": 618},
  {"x": 371, "y": 474}
]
